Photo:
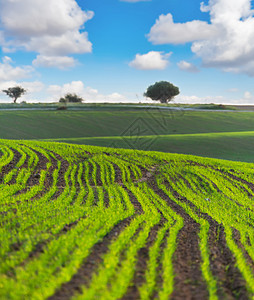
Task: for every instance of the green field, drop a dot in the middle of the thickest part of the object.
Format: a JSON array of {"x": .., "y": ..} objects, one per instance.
[
  {"x": 84, "y": 222},
  {"x": 237, "y": 146},
  {"x": 218, "y": 134},
  {"x": 97, "y": 123}
]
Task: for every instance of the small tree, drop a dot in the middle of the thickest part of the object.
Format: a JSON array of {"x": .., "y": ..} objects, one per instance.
[
  {"x": 73, "y": 98},
  {"x": 15, "y": 92},
  {"x": 162, "y": 91}
]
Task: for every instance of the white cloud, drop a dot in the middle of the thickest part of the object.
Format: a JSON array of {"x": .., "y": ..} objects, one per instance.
[
  {"x": 61, "y": 62},
  {"x": 204, "y": 100},
  {"x": 247, "y": 95},
  {"x": 33, "y": 89},
  {"x": 6, "y": 84},
  {"x": 165, "y": 31},
  {"x": 188, "y": 67},
  {"x": 8, "y": 72},
  {"x": 233, "y": 90},
  {"x": 50, "y": 28},
  {"x": 87, "y": 93},
  {"x": 32, "y": 86},
  {"x": 39, "y": 92},
  {"x": 227, "y": 42},
  {"x": 153, "y": 60},
  {"x": 247, "y": 99}
]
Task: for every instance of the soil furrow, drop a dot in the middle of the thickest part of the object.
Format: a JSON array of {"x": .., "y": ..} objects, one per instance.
[
  {"x": 230, "y": 283},
  {"x": 11, "y": 165},
  {"x": 142, "y": 263},
  {"x": 137, "y": 206},
  {"x": 222, "y": 261},
  {"x": 90, "y": 265},
  {"x": 237, "y": 239},
  {"x": 189, "y": 282}
]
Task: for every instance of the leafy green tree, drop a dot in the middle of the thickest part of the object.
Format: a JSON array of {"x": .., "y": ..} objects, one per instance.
[
  {"x": 162, "y": 91},
  {"x": 15, "y": 92},
  {"x": 71, "y": 98}
]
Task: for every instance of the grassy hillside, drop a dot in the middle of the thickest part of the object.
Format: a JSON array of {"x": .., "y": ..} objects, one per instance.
[
  {"x": 71, "y": 124},
  {"x": 227, "y": 135},
  {"x": 83, "y": 222},
  {"x": 237, "y": 146}
]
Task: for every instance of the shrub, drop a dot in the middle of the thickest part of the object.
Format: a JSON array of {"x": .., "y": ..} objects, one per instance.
[{"x": 72, "y": 98}]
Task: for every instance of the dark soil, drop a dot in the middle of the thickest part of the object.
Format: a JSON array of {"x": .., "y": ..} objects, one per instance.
[
  {"x": 230, "y": 284},
  {"x": 11, "y": 165},
  {"x": 89, "y": 266},
  {"x": 141, "y": 265},
  {"x": 189, "y": 283}
]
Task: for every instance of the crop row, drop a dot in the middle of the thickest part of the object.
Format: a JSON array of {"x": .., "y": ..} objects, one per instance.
[{"x": 60, "y": 203}]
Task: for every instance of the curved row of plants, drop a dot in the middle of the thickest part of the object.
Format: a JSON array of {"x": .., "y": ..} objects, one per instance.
[{"x": 86, "y": 222}]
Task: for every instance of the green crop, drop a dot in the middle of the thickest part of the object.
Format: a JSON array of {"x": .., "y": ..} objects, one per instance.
[{"x": 62, "y": 203}]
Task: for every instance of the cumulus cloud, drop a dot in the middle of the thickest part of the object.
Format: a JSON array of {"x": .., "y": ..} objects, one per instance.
[
  {"x": 153, "y": 60},
  {"x": 33, "y": 86},
  {"x": 226, "y": 42},
  {"x": 50, "y": 28},
  {"x": 188, "y": 67},
  {"x": 33, "y": 89},
  {"x": 9, "y": 72},
  {"x": 248, "y": 95},
  {"x": 37, "y": 91},
  {"x": 193, "y": 99},
  {"x": 247, "y": 99},
  {"x": 61, "y": 62},
  {"x": 87, "y": 93},
  {"x": 165, "y": 31}
]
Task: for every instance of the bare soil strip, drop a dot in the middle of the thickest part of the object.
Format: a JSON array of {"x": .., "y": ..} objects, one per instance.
[
  {"x": 189, "y": 283},
  {"x": 7, "y": 168},
  {"x": 134, "y": 201},
  {"x": 90, "y": 265},
  {"x": 118, "y": 173},
  {"x": 230, "y": 280},
  {"x": 233, "y": 176},
  {"x": 98, "y": 175},
  {"x": 142, "y": 262},
  {"x": 39, "y": 248},
  {"x": 35, "y": 175},
  {"x": 42, "y": 165},
  {"x": 230, "y": 283},
  {"x": 237, "y": 239},
  {"x": 249, "y": 184}
]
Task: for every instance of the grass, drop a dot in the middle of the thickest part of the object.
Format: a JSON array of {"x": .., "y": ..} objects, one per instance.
[
  {"x": 238, "y": 146},
  {"x": 97, "y": 123},
  {"x": 226, "y": 135},
  {"x": 110, "y": 105}
]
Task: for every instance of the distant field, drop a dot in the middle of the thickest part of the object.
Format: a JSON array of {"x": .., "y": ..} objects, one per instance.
[
  {"x": 71, "y": 124},
  {"x": 83, "y": 222},
  {"x": 237, "y": 146},
  {"x": 189, "y": 132}
]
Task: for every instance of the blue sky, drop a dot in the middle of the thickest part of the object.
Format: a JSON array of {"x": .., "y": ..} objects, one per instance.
[{"x": 113, "y": 50}]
